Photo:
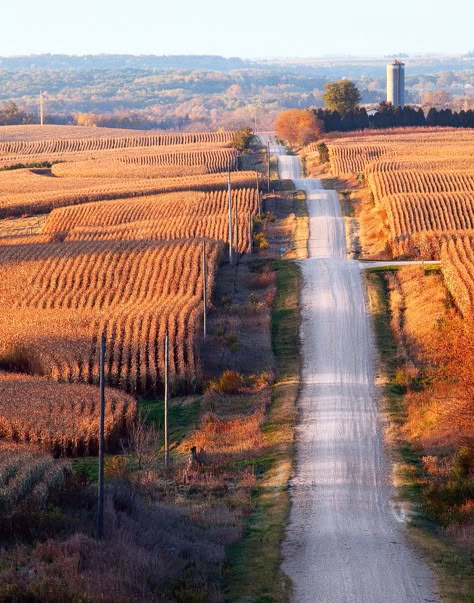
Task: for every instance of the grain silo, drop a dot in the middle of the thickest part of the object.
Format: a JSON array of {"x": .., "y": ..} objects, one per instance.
[{"x": 396, "y": 84}]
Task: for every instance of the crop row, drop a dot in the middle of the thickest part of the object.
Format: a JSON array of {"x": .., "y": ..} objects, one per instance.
[
  {"x": 457, "y": 264},
  {"x": 61, "y": 418},
  {"x": 76, "y": 145},
  {"x": 168, "y": 216},
  {"x": 56, "y": 299},
  {"x": 114, "y": 188}
]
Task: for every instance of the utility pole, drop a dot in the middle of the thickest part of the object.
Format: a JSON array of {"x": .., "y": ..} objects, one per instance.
[
  {"x": 41, "y": 108},
  {"x": 236, "y": 229},
  {"x": 167, "y": 447},
  {"x": 250, "y": 233},
  {"x": 204, "y": 286},
  {"x": 100, "y": 498},
  {"x": 268, "y": 166},
  {"x": 259, "y": 197},
  {"x": 257, "y": 181},
  {"x": 229, "y": 188}
]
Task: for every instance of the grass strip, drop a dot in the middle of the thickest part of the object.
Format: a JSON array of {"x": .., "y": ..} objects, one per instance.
[
  {"x": 255, "y": 575},
  {"x": 454, "y": 568}
]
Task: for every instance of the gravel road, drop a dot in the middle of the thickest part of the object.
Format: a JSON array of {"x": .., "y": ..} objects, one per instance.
[{"x": 345, "y": 541}]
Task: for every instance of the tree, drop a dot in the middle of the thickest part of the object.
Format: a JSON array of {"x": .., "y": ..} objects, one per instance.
[
  {"x": 298, "y": 126},
  {"x": 11, "y": 115},
  {"x": 439, "y": 100},
  {"x": 342, "y": 96},
  {"x": 242, "y": 139}
]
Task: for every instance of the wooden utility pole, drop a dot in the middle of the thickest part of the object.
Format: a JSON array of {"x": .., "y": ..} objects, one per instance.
[
  {"x": 257, "y": 180},
  {"x": 100, "y": 497},
  {"x": 41, "y": 109},
  {"x": 268, "y": 166},
  {"x": 204, "y": 287},
  {"x": 236, "y": 229},
  {"x": 259, "y": 204},
  {"x": 167, "y": 447},
  {"x": 250, "y": 233},
  {"x": 229, "y": 188}
]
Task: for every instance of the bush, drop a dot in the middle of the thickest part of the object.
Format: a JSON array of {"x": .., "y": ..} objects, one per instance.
[
  {"x": 229, "y": 383},
  {"x": 261, "y": 241},
  {"x": 243, "y": 139},
  {"x": 323, "y": 152}
]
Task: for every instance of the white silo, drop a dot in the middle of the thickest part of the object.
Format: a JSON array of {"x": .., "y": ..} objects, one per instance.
[{"x": 396, "y": 84}]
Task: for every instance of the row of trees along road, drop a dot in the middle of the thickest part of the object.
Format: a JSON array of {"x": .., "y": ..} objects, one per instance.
[{"x": 343, "y": 114}]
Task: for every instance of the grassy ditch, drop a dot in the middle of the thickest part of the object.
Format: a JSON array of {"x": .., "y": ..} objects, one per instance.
[
  {"x": 453, "y": 567},
  {"x": 255, "y": 574}
]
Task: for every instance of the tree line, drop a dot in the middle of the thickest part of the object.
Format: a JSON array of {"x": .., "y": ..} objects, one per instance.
[{"x": 388, "y": 116}]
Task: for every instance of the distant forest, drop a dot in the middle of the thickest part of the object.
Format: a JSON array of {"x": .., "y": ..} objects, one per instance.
[{"x": 209, "y": 92}]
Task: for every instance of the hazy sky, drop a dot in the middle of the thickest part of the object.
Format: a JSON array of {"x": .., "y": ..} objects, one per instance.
[{"x": 246, "y": 28}]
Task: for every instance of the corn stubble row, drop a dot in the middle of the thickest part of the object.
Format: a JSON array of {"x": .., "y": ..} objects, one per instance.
[
  {"x": 27, "y": 480},
  {"x": 104, "y": 189},
  {"x": 49, "y": 146},
  {"x": 56, "y": 299},
  {"x": 423, "y": 182},
  {"x": 61, "y": 418},
  {"x": 168, "y": 216},
  {"x": 122, "y": 165},
  {"x": 457, "y": 264}
]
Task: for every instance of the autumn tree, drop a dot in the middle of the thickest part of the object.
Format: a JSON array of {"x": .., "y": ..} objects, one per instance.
[
  {"x": 342, "y": 96},
  {"x": 242, "y": 139},
  {"x": 298, "y": 126}
]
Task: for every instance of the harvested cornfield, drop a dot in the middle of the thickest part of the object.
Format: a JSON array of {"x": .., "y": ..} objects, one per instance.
[
  {"x": 167, "y": 216},
  {"x": 457, "y": 264},
  {"x": 357, "y": 153},
  {"x": 61, "y": 418},
  {"x": 189, "y": 160},
  {"x": 61, "y": 149},
  {"x": 61, "y": 192},
  {"x": 413, "y": 213},
  {"x": 28, "y": 480},
  {"x": 387, "y": 183},
  {"x": 353, "y": 158},
  {"x": 57, "y": 298}
]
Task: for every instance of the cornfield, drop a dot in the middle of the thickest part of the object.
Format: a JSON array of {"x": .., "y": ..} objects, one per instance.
[
  {"x": 168, "y": 216},
  {"x": 457, "y": 264},
  {"x": 356, "y": 154},
  {"x": 201, "y": 160},
  {"x": 15, "y": 149},
  {"x": 60, "y": 192},
  {"x": 27, "y": 480},
  {"x": 387, "y": 183},
  {"x": 412, "y": 213},
  {"x": 57, "y": 298},
  {"x": 61, "y": 418}
]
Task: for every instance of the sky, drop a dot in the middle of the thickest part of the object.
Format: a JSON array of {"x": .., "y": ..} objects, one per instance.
[{"x": 244, "y": 28}]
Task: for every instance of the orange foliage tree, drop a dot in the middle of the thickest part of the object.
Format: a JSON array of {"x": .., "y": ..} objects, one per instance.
[{"x": 298, "y": 126}]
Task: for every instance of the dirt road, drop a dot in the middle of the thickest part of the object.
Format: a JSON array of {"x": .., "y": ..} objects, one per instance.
[{"x": 345, "y": 542}]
